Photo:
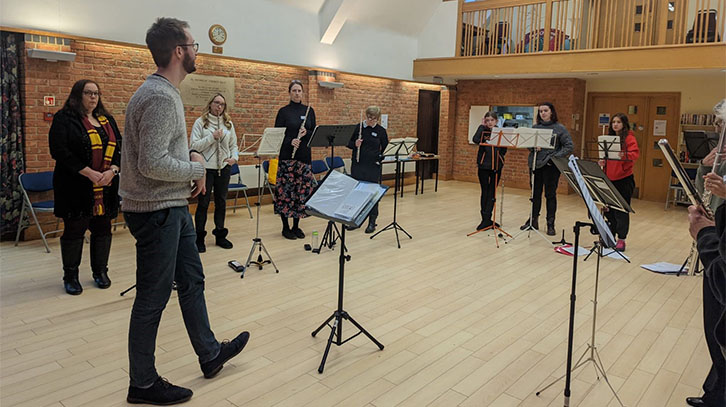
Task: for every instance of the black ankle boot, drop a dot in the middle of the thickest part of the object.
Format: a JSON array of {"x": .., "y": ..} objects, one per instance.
[
  {"x": 221, "y": 238},
  {"x": 371, "y": 225},
  {"x": 201, "y": 247},
  {"x": 551, "y": 227},
  {"x": 100, "y": 249},
  {"x": 71, "y": 251}
]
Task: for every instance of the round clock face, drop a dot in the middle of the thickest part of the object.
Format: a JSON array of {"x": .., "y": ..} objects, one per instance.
[{"x": 217, "y": 34}]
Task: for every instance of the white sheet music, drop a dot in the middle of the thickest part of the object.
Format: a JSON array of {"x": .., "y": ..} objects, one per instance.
[
  {"x": 408, "y": 145},
  {"x": 608, "y": 143},
  {"x": 504, "y": 137},
  {"x": 533, "y": 138},
  {"x": 271, "y": 141}
]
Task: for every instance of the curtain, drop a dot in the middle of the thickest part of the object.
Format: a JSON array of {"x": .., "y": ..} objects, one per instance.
[{"x": 12, "y": 151}]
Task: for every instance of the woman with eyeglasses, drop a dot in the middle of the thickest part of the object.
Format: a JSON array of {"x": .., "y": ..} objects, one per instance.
[
  {"x": 86, "y": 145},
  {"x": 294, "y": 173},
  {"x": 372, "y": 143},
  {"x": 213, "y": 136},
  {"x": 546, "y": 175}
]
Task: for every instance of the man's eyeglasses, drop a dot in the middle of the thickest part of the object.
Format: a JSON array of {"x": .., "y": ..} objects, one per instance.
[
  {"x": 91, "y": 93},
  {"x": 194, "y": 45}
]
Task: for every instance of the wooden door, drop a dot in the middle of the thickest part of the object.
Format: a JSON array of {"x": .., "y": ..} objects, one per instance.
[
  {"x": 428, "y": 125},
  {"x": 666, "y": 110},
  {"x": 651, "y": 171},
  {"x": 611, "y": 104}
]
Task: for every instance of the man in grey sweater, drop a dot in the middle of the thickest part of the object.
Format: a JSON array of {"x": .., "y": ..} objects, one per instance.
[{"x": 156, "y": 182}]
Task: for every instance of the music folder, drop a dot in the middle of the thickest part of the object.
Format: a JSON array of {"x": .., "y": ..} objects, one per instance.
[{"x": 341, "y": 198}]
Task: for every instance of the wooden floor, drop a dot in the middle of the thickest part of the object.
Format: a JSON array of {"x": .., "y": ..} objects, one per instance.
[{"x": 463, "y": 323}]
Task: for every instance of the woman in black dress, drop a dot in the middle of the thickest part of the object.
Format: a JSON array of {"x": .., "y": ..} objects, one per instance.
[
  {"x": 294, "y": 174},
  {"x": 86, "y": 145},
  {"x": 371, "y": 145}
]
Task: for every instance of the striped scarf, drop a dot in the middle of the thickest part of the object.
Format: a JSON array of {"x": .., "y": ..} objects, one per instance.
[{"x": 100, "y": 161}]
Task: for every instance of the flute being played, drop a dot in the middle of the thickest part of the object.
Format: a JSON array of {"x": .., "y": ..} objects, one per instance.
[
  {"x": 299, "y": 133},
  {"x": 360, "y": 136}
]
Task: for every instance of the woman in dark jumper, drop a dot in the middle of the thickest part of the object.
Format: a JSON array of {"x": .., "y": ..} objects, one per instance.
[{"x": 294, "y": 174}]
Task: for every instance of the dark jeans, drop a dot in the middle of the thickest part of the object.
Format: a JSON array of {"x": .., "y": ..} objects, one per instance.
[
  {"x": 220, "y": 184},
  {"x": 166, "y": 252},
  {"x": 75, "y": 228},
  {"x": 546, "y": 177},
  {"x": 373, "y": 214},
  {"x": 620, "y": 221},
  {"x": 715, "y": 385},
  {"x": 488, "y": 180}
]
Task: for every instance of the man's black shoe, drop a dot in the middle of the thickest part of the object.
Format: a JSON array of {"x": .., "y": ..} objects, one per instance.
[
  {"x": 287, "y": 233},
  {"x": 227, "y": 351},
  {"x": 298, "y": 233},
  {"x": 698, "y": 402},
  {"x": 161, "y": 393}
]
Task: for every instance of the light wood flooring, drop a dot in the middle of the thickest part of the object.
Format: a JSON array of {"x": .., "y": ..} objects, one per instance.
[{"x": 463, "y": 323}]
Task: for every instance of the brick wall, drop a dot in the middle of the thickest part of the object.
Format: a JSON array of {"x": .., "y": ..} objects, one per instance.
[
  {"x": 567, "y": 95},
  {"x": 260, "y": 90}
]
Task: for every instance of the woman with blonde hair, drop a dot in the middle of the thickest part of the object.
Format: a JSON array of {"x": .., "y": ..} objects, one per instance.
[{"x": 213, "y": 136}]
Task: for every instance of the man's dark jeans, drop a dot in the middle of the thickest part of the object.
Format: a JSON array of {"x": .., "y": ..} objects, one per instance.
[{"x": 166, "y": 252}]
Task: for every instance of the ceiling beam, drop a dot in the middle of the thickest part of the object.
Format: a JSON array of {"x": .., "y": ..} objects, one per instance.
[{"x": 331, "y": 18}]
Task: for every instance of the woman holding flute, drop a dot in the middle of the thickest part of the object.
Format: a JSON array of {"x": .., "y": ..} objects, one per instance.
[{"x": 294, "y": 174}]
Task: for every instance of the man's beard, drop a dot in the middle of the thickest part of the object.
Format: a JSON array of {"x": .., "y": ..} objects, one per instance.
[{"x": 188, "y": 64}]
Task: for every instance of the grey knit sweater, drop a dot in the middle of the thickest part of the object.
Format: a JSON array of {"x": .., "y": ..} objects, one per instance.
[{"x": 155, "y": 158}]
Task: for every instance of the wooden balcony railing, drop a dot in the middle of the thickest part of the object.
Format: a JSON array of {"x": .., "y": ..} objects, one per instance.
[{"x": 496, "y": 27}]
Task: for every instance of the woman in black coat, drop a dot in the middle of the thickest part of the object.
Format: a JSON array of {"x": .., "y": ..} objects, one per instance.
[
  {"x": 490, "y": 161},
  {"x": 86, "y": 145},
  {"x": 371, "y": 145}
]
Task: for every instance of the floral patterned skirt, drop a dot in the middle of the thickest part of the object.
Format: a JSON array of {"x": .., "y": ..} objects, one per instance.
[{"x": 294, "y": 186}]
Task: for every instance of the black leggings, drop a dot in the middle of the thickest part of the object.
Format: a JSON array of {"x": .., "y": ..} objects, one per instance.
[
  {"x": 220, "y": 184},
  {"x": 488, "y": 181},
  {"x": 620, "y": 221},
  {"x": 546, "y": 178}
]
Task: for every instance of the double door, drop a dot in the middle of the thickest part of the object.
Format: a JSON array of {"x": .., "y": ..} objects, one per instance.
[{"x": 652, "y": 116}]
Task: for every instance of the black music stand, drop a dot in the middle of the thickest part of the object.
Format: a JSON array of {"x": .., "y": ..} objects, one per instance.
[
  {"x": 331, "y": 136},
  {"x": 336, "y": 329},
  {"x": 588, "y": 182},
  {"x": 699, "y": 143},
  {"x": 394, "y": 150}
]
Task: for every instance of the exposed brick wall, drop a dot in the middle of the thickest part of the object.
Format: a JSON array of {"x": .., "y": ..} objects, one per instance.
[
  {"x": 567, "y": 95},
  {"x": 260, "y": 90}
]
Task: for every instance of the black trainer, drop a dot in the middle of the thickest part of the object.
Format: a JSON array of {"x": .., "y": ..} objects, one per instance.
[
  {"x": 161, "y": 393},
  {"x": 227, "y": 351},
  {"x": 298, "y": 233}
]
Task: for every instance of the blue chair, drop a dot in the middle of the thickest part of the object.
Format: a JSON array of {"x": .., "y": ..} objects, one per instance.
[
  {"x": 318, "y": 167},
  {"x": 335, "y": 163},
  {"x": 236, "y": 187},
  {"x": 266, "y": 168},
  {"x": 36, "y": 182}
]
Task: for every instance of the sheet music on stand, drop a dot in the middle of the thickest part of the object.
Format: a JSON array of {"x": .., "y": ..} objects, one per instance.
[
  {"x": 535, "y": 138},
  {"x": 608, "y": 147},
  {"x": 399, "y": 147},
  {"x": 248, "y": 144},
  {"x": 341, "y": 198},
  {"x": 504, "y": 137},
  {"x": 271, "y": 141}
]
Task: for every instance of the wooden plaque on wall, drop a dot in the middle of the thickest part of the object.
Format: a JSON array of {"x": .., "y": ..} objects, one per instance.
[{"x": 196, "y": 90}]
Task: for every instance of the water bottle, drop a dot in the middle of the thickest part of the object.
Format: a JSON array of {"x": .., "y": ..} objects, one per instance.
[{"x": 314, "y": 239}]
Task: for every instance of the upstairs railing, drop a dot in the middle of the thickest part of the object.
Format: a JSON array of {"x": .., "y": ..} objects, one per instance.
[{"x": 496, "y": 27}]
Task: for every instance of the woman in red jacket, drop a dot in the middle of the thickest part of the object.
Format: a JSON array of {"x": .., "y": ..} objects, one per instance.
[{"x": 620, "y": 172}]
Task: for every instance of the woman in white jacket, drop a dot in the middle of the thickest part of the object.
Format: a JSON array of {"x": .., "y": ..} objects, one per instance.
[{"x": 213, "y": 136}]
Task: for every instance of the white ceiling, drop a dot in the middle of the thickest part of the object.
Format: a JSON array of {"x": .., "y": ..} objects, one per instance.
[{"x": 407, "y": 17}]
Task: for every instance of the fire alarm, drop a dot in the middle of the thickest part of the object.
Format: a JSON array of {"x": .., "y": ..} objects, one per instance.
[{"x": 48, "y": 100}]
